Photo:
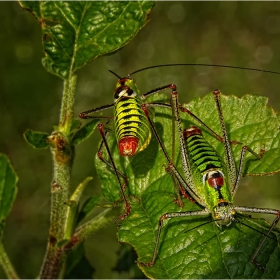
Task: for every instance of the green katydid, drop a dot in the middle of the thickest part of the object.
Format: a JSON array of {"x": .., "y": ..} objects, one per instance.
[{"x": 207, "y": 179}]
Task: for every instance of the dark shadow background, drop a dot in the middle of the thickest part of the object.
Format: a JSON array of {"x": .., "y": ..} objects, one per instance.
[{"x": 231, "y": 33}]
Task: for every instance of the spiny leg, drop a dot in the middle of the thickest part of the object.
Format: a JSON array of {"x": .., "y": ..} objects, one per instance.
[
  {"x": 177, "y": 187},
  {"x": 85, "y": 115},
  {"x": 217, "y": 136},
  {"x": 273, "y": 225},
  {"x": 234, "y": 175},
  {"x": 160, "y": 225},
  {"x": 100, "y": 156},
  {"x": 122, "y": 187},
  {"x": 159, "y": 104},
  {"x": 170, "y": 163},
  {"x": 176, "y": 184},
  {"x": 241, "y": 162},
  {"x": 189, "y": 184}
]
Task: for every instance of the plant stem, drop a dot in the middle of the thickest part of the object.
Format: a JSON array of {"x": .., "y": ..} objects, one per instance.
[
  {"x": 87, "y": 229},
  {"x": 67, "y": 104},
  {"x": 6, "y": 264},
  {"x": 56, "y": 256},
  {"x": 62, "y": 151}
]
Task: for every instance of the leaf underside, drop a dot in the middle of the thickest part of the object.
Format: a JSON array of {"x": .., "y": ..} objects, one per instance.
[{"x": 208, "y": 251}]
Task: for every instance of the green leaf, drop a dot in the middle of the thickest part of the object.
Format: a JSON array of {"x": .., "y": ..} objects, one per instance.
[
  {"x": 8, "y": 188},
  {"x": 220, "y": 253},
  {"x": 205, "y": 252},
  {"x": 38, "y": 140},
  {"x": 75, "y": 32},
  {"x": 85, "y": 131},
  {"x": 76, "y": 196},
  {"x": 76, "y": 123}
]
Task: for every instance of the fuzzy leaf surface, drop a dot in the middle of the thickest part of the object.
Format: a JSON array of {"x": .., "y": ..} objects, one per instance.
[{"x": 75, "y": 32}]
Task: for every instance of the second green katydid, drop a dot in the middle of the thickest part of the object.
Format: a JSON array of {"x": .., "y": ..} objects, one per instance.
[{"x": 210, "y": 181}]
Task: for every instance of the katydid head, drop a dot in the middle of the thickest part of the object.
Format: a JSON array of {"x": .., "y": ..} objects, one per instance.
[
  {"x": 125, "y": 87},
  {"x": 223, "y": 213},
  {"x": 123, "y": 90}
]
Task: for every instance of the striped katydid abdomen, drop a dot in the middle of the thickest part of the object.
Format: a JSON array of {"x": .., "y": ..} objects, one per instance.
[
  {"x": 132, "y": 129},
  {"x": 209, "y": 175}
]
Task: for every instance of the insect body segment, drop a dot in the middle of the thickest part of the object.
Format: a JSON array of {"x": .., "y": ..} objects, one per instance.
[
  {"x": 208, "y": 174},
  {"x": 131, "y": 125},
  {"x": 203, "y": 156}
]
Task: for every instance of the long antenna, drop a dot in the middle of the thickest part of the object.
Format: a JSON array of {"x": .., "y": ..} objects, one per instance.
[
  {"x": 205, "y": 65},
  {"x": 114, "y": 74},
  {"x": 237, "y": 221},
  {"x": 208, "y": 222}
]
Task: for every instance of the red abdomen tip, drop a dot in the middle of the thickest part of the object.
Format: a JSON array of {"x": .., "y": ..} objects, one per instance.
[{"x": 128, "y": 146}]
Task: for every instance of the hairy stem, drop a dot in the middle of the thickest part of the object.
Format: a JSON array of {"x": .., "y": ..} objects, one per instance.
[
  {"x": 87, "y": 229},
  {"x": 63, "y": 153}
]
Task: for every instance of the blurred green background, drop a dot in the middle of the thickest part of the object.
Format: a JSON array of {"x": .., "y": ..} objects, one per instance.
[{"x": 231, "y": 33}]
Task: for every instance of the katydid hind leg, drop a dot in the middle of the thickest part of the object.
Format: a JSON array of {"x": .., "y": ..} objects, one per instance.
[
  {"x": 100, "y": 156},
  {"x": 160, "y": 225},
  {"x": 171, "y": 166},
  {"x": 122, "y": 186}
]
